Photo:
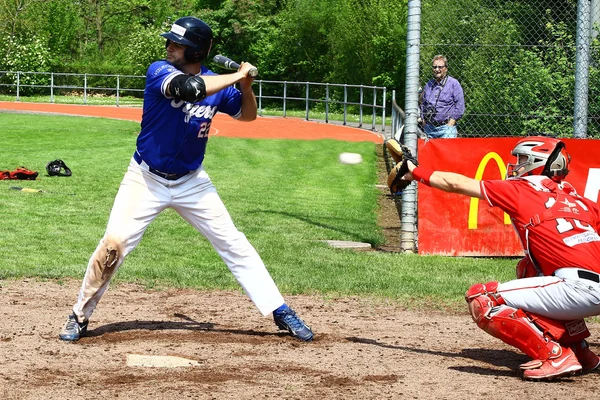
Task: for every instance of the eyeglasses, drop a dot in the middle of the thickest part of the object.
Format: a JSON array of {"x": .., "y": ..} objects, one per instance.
[{"x": 438, "y": 67}]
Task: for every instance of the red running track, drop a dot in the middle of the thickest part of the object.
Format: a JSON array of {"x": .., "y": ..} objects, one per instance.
[{"x": 223, "y": 125}]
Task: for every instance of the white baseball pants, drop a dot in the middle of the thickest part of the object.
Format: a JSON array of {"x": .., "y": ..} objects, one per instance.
[
  {"x": 141, "y": 197},
  {"x": 565, "y": 296}
]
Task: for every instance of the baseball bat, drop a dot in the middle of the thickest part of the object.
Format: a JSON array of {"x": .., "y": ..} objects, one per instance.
[
  {"x": 228, "y": 63},
  {"x": 30, "y": 190}
]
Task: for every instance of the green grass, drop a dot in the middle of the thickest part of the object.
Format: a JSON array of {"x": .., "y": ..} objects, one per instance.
[{"x": 286, "y": 196}]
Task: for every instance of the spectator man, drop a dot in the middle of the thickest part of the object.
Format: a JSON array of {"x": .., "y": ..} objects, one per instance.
[{"x": 443, "y": 102}]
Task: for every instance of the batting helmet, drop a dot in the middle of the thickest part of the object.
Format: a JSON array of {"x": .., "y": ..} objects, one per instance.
[
  {"x": 538, "y": 155},
  {"x": 58, "y": 168},
  {"x": 193, "y": 33}
]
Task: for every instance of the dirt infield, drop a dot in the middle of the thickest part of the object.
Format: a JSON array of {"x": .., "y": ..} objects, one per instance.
[{"x": 363, "y": 348}]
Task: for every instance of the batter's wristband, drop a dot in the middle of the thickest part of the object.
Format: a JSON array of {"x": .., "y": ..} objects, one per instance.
[{"x": 422, "y": 175}]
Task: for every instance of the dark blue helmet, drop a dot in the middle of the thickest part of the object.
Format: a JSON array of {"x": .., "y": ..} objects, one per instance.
[{"x": 195, "y": 34}]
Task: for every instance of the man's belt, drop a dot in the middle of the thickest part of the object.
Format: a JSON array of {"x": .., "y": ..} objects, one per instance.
[
  {"x": 169, "y": 177},
  {"x": 164, "y": 175},
  {"x": 436, "y": 123}
]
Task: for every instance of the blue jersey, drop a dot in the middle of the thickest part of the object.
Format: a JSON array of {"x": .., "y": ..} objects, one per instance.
[{"x": 175, "y": 133}]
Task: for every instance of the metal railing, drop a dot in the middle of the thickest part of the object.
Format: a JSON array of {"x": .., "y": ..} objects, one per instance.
[
  {"x": 18, "y": 82},
  {"x": 331, "y": 95},
  {"x": 323, "y": 99}
]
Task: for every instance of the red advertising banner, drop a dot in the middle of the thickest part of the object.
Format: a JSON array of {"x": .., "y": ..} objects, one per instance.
[{"x": 456, "y": 225}]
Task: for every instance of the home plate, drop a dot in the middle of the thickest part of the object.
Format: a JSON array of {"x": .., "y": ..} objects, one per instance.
[{"x": 138, "y": 360}]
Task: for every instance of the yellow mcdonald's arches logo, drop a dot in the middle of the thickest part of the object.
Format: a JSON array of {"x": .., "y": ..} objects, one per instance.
[{"x": 474, "y": 206}]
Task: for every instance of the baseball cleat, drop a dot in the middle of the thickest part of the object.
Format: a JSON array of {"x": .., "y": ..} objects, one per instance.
[
  {"x": 588, "y": 360},
  {"x": 565, "y": 364},
  {"x": 287, "y": 319},
  {"x": 73, "y": 329},
  {"x": 533, "y": 364}
]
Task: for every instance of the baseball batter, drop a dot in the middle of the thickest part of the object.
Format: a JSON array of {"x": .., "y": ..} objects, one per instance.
[
  {"x": 166, "y": 171},
  {"x": 542, "y": 312}
]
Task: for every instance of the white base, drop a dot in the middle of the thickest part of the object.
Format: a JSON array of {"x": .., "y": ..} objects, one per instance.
[{"x": 138, "y": 360}]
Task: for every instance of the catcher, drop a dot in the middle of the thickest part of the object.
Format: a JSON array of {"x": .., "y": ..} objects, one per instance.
[{"x": 542, "y": 312}]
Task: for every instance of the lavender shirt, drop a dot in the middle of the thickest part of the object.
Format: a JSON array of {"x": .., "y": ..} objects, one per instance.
[{"x": 447, "y": 97}]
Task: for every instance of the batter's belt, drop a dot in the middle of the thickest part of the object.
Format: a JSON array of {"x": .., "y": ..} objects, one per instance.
[{"x": 164, "y": 175}]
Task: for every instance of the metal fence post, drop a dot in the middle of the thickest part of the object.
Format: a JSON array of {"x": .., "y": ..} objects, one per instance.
[
  {"x": 260, "y": 98},
  {"x": 84, "y": 88},
  {"x": 284, "y": 97},
  {"x": 52, "y": 87},
  {"x": 374, "y": 108},
  {"x": 118, "y": 84},
  {"x": 345, "y": 102},
  {"x": 327, "y": 102},
  {"x": 18, "y": 84},
  {"x": 383, "y": 110},
  {"x": 582, "y": 69},
  {"x": 408, "y": 227},
  {"x": 360, "y": 114},
  {"x": 307, "y": 97}
]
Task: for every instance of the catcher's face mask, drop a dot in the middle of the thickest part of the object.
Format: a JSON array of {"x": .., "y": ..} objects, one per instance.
[{"x": 58, "y": 168}]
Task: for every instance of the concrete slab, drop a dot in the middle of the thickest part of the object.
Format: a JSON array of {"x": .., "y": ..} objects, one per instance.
[{"x": 343, "y": 244}]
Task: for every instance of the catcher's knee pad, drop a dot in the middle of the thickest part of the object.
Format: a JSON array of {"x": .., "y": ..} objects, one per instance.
[
  {"x": 479, "y": 289},
  {"x": 481, "y": 298}
]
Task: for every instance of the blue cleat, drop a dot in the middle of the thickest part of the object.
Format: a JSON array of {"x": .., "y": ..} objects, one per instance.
[
  {"x": 286, "y": 319},
  {"x": 73, "y": 329}
]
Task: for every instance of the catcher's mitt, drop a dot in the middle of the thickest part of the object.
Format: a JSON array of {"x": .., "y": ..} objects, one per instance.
[
  {"x": 395, "y": 181},
  {"x": 58, "y": 168},
  {"x": 395, "y": 149}
]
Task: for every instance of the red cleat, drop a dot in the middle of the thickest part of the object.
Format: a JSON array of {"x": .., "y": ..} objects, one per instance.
[{"x": 564, "y": 364}]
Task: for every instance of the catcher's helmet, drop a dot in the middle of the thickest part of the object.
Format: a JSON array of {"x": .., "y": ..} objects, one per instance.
[
  {"x": 195, "y": 34},
  {"x": 538, "y": 155}
]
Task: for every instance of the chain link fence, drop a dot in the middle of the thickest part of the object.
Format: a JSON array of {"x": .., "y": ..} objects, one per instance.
[{"x": 518, "y": 64}]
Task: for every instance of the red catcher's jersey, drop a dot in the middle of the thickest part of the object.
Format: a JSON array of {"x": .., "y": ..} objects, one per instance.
[{"x": 564, "y": 232}]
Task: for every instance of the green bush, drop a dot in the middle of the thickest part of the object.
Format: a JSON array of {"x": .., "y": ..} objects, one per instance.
[{"x": 26, "y": 54}]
